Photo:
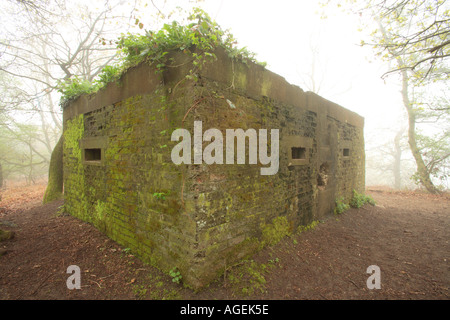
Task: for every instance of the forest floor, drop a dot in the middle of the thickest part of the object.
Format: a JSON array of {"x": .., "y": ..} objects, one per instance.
[{"x": 406, "y": 235}]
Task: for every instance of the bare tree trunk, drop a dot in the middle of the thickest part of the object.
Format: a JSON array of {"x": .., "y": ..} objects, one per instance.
[
  {"x": 397, "y": 160},
  {"x": 1, "y": 176},
  {"x": 422, "y": 171},
  {"x": 54, "y": 189}
]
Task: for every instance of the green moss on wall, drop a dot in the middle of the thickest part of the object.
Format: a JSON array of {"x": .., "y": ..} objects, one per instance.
[
  {"x": 73, "y": 133},
  {"x": 273, "y": 232},
  {"x": 197, "y": 218},
  {"x": 75, "y": 181}
]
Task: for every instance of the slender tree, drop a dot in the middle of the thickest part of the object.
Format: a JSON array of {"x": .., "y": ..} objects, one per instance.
[
  {"x": 397, "y": 163},
  {"x": 1, "y": 176},
  {"x": 413, "y": 35},
  {"x": 54, "y": 41},
  {"x": 422, "y": 174}
]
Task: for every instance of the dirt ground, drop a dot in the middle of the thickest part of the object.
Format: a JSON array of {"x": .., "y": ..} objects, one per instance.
[{"x": 405, "y": 235}]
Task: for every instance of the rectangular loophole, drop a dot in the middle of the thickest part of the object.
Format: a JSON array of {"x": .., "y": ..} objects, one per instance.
[
  {"x": 93, "y": 154},
  {"x": 346, "y": 152},
  {"x": 298, "y": 153}
]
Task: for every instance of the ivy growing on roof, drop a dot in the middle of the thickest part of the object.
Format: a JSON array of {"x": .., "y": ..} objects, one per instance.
[{"x": 198, "y": 38}]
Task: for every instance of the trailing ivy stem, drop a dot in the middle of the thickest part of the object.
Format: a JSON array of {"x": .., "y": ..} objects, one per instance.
[{"x": 192, "y": 107}]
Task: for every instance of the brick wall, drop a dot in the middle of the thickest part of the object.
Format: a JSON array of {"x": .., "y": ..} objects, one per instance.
[{"x": 199, "y": 218}]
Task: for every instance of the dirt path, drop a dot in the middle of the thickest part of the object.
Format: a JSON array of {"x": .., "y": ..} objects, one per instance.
[{"x": 405, "y": 235}]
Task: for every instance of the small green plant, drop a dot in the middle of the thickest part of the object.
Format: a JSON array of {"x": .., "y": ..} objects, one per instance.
[
  {"x": 74, "y": 87},
  {"x": 359, "y": 199},
  {"x": 61, "y": 211},
  {"x": 160, "y": 195},
  {"x": 171, "y": 294},
  {"x": 249, "y": 276},
  {"x": 140, "y": 291},
  {"x": 274, "y": 261},
  {"x": 126, "y": 252},
  {"x": 155, "y": 288},
  {"x": 308, "y": 227},
  {"x": 370, "y": 200},
  {"x": 341, "y": 206},
  {"x": 176, "y": 275},
  {"x": 109, "y": 74}
]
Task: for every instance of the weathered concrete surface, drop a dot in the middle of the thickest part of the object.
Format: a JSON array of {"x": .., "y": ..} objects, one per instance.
[{"x": 201, "y": 218}]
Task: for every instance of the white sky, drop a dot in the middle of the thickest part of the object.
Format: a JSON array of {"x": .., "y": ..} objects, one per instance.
[{"x": 280, "y": 33}]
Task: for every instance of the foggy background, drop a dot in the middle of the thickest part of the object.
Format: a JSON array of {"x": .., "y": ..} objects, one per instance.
[{"x": 315, "y": 46}]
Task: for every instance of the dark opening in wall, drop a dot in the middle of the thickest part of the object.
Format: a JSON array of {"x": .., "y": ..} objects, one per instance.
[
  {"x": 298, "y": 153},
  {"x": 346, "y": 152},
  {"x": 322, "y": 176},
  {"x": 93, "y": 154}
]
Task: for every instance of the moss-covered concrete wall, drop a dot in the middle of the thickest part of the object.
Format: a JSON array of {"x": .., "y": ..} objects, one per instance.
[{"x": 119, "y": 175}]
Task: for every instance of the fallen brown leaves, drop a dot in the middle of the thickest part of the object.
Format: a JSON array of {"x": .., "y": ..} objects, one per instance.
[{"x": 21, "y": 197}]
